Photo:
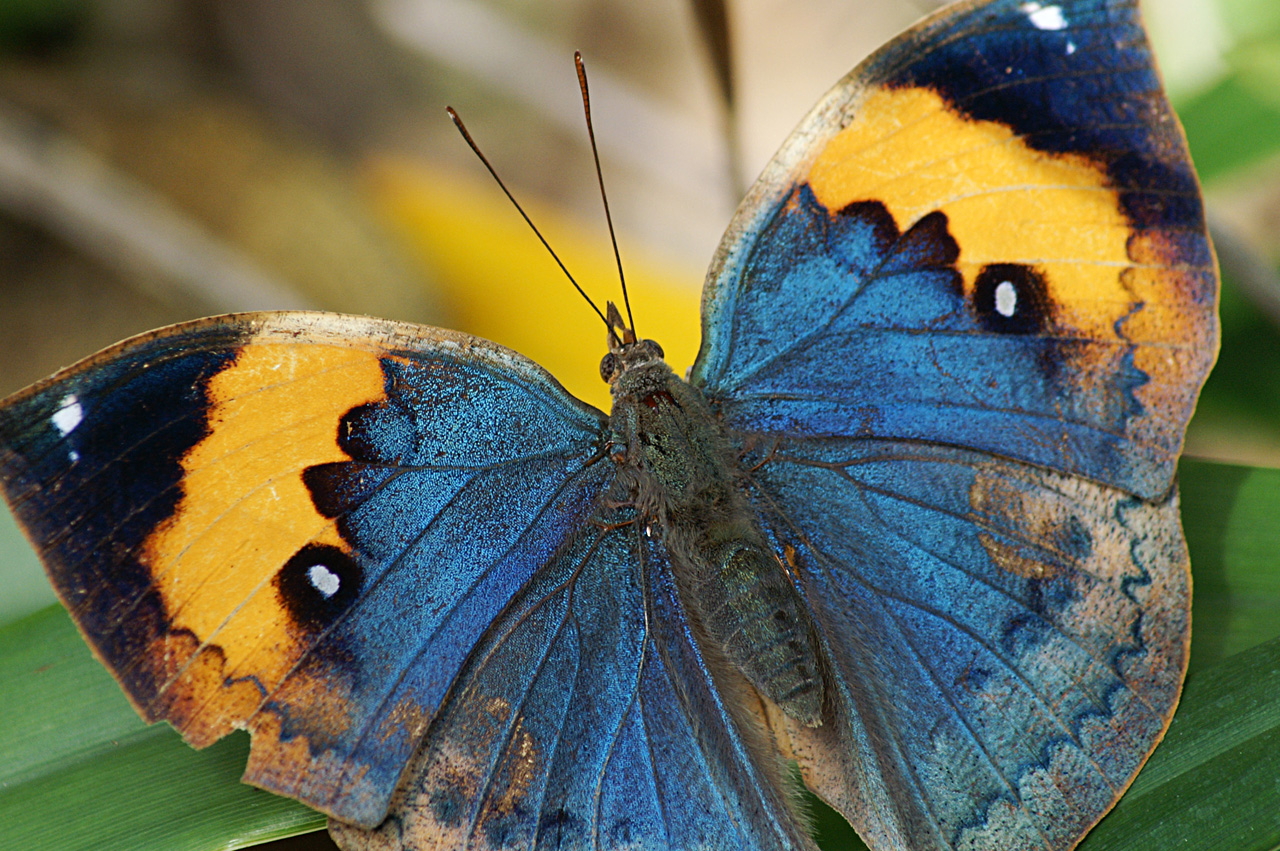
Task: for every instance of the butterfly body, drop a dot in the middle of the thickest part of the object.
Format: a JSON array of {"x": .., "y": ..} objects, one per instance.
[
  {"x": 680, "y": 470},
  {"x": 918, "y": 492}
]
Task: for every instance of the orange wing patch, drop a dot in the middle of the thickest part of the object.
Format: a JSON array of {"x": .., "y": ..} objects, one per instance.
[
  {"x": 1005, "y": 202},
  {"x": 245, "y": 512}
]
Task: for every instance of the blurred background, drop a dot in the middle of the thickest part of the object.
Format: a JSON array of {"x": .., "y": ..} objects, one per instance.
[{"x": 167, "y": 159}]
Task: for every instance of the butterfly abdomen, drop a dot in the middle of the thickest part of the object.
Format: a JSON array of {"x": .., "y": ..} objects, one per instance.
[
  {"x": 748, "y": 608},
  {"x": 736, "y": 589}
]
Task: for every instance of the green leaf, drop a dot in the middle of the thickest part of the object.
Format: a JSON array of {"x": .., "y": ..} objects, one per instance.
[
  {"x": 1214, "y": 783},
  {"x": 79, "y": 770},
  {"x": 1230, "y": 126},
  {"x": 1233, "y": 123},
  {"x": 1251, "y": 19},
  {"x": 1229, "y": 515},
  {"x": 26, "y": 589}
]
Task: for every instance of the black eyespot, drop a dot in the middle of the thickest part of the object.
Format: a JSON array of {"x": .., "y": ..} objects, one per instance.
[
  {"x": 1010, "y": 298},
  {"x": 657, "y": 350},
  {"x": 318, "y": 584},
  {"x": 608, "y": 365}
]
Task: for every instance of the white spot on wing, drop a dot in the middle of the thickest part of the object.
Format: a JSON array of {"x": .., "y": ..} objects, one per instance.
[
  {"x": 1006, "y": 299},
  {"x": 324, "y": 580},
  {"x": 1044, "y": 17},
  {"x": 68, "y": 415}
]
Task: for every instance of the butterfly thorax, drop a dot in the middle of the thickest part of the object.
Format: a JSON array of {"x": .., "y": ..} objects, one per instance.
[{"x": 677, "y": 466}]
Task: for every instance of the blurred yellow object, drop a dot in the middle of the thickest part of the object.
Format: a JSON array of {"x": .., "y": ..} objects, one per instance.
[{"x": 498, "y": 282}]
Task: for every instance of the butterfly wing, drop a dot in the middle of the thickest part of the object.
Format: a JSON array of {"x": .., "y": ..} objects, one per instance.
[
  {"x": 612, "y": 737},
  {"x": 1006, "y": 643},
  {"x": 958, "y": 328},
  {"x": 988, "y": 235},
  {"x": 299, "y": 524}
]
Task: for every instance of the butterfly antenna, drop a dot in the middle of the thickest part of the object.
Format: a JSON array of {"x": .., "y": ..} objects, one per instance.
[
  {"x": 595, "y": 153},
  {"x": 475, "y": 149}
]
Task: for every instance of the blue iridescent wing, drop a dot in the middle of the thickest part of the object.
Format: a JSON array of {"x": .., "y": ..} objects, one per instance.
[
  {"x": 300, "y": 524},
  {"x": 989, "y": 235},
  {"x": 1006, "y": 643},
  {"x": 587, "y": 718},
  {"x": 958, "y": 329}
]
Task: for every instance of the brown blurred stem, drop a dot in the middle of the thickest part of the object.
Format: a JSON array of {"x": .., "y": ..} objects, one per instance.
[{"x": 713, "y": 25}]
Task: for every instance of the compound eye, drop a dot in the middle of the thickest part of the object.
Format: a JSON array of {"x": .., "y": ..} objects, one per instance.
[
  {"x": 608, "y": 366},
  {"x": 657, "y": 350}
]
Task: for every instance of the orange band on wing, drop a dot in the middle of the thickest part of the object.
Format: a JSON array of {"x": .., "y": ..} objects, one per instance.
[
  {"x": 245, "y": 512},
  {"x": 1005, "y": 202}
]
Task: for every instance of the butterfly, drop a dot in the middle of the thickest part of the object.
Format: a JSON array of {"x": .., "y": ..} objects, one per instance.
[{"x": 911, "y": 521}]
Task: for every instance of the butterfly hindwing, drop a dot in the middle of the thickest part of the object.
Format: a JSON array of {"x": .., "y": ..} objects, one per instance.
[
  {"x": 298, "y": 524},
  {"x": 587, "y": 719},
  {"x": 1005, "y": 643}
]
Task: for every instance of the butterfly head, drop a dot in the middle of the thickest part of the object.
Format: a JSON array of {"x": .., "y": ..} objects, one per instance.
[
  {"x": 629, "y": 359},
  {"x": 627, "y": 356}
]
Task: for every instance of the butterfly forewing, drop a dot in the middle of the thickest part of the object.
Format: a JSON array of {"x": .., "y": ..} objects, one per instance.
[
  {"x": 989, "y": 235},
  {"x": 298, "y": 523}
]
